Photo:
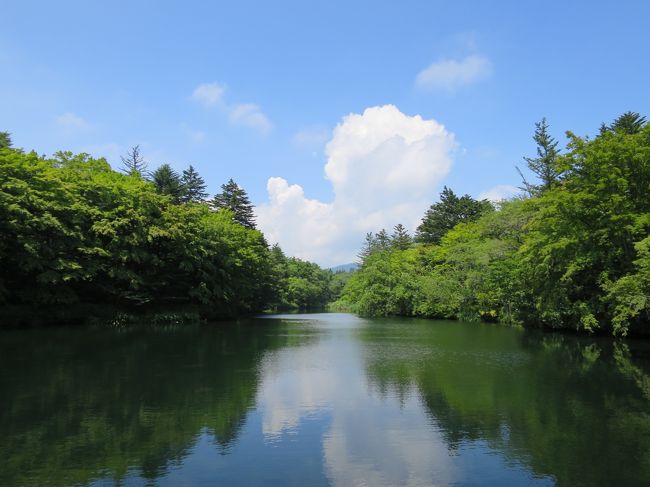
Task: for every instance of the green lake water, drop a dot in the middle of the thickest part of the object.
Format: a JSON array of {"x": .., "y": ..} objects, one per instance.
[{"x": 322, "y": 399}]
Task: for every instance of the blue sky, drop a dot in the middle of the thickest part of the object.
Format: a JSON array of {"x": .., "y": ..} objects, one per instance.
[{"x": 254, "y": 90}]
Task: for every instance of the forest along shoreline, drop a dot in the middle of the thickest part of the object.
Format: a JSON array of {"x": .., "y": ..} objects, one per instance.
[{"x": 80, "y": 240}]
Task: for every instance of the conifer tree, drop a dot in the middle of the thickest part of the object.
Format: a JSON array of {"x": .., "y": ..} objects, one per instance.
[
  {"x": 134, "y": 164},
  {"x": 193, "y": 186},
  {"x": 5, "y": 140},
  {"x": 400, "y": 239},
  {"x": 235, "y": 199},
  {"x": 369, "y": 245},
  {"x": 446, "y": 214},
  {"x": 629, "y": 123},
  {"x": 544, "y": 165},
  {"x": 167, "y": 181},
  {"x": 382, "y": 240}
]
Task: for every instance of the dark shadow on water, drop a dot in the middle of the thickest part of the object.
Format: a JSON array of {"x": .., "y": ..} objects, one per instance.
[{"x": 83, "y": 403}]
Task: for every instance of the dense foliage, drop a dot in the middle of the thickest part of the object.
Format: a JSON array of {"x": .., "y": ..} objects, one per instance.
[
  {"x": 302, "y": 285},
  {"x": 449, "y": 212},
  {"x": 235, "y": 199},
  {"x": 73, "y": 231},
  {"x": 573, "y": 254}
]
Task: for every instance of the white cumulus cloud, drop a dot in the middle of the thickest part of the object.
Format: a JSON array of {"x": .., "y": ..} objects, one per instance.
[
  {"x": 384, "y": 167},
  {"x": 208, "y": 94},
  {"x": 499, "y": 193},
  {"x": 451, "y": 74}
]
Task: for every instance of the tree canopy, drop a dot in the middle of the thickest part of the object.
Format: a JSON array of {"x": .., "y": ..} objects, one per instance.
[
  {"x": 74, "y": 232},
  {"x": 449, "y": 212}
]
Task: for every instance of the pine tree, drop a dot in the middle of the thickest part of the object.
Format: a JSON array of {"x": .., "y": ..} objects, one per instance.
[
  {"x": 235, "y": 199},
  {"x": 278, "y": 261},
  {"x": 628, "y": 123},
  {"x": 167, "y": 181},
  {"x": 544, "y": 165},
  {"x": 400, "y": 239},
  {"x": 193, "y": 186},
  {"x": 382, "y": 240},
  {"x": 449, "y": 212},
  {"x": 368, "y": 248},
  {"x": 5, "y": 140},
  {"x": 134, "y": 164}
]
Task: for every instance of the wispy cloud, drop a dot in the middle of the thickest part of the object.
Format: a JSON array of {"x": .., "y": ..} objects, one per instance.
[
  {"x": 243, "y": 114},
  {"x": 452, "y": 74},
  {"x": 311, "y": 137},
  {"x": 72, "y": 123},
  {"x": 250, "y": 115},
  {"x": 209, "y": 94},
  {"x": 195, "y": 135}
]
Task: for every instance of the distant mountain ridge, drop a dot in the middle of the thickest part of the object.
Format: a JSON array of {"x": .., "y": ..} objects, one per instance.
[{"x": 345, "y": 267}]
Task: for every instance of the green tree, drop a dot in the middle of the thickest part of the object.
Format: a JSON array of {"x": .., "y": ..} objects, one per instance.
[
  {"x": 374, "y": 243},
  {"x": 368, "y": 248},
  {"x": 575, "y": 255},
  {"x": 629, "y": 296},
  {"x": 382, "y": 240},
  {"x": 583, "y": 236},
  {"x": 73, "y": 231},
  {"x": 168, "y": 182},
  {"x": 337, "y": 284},
  {"x": 384, "y": 285},
  {"x": 298, "y": 284},
  {"x": 193, "y": 186},
  {"x": 544, "y": 166},
  {"x": 449, "y": 212},
  {"x": 5, "y": 140},
  {"x": 629, "y": 123},
  {"x": 473, "y": 274},
  {"x": 235, "y": 199},
  {"x": 400, "y": 239}
]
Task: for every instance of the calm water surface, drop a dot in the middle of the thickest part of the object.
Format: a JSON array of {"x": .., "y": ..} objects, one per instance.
[{"x": 322, "y": 399}]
